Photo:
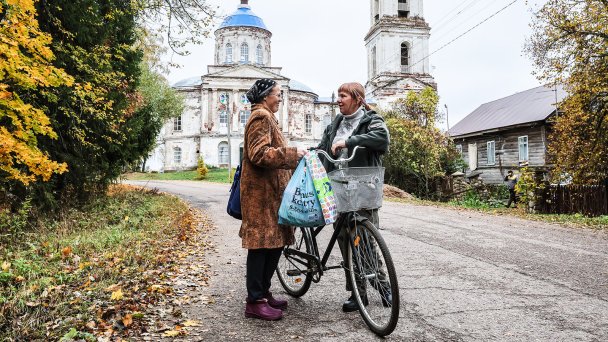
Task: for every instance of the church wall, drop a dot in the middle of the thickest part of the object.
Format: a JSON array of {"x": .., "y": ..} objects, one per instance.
[{"x": 236, "y": 36}]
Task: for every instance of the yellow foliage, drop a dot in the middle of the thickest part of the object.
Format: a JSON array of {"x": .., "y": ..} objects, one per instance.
[{"x": 25, "y": 63}]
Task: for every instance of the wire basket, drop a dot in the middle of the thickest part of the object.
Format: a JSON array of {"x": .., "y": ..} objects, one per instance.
[{"x": 357, "y": 188}]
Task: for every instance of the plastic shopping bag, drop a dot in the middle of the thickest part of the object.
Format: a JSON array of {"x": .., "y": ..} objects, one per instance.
[
  {"x": 322, "y": 186},
  {"x": 300, "y": 206}
]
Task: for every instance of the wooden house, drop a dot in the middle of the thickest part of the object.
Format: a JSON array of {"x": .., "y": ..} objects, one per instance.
[{"x": 508, "y": 133}]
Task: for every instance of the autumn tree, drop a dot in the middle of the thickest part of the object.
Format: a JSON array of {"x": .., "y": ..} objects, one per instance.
[
  {"x": 25, "y": 65},
  {"x": 419, "y": 153},
  {"x": 570, "y": 46}
]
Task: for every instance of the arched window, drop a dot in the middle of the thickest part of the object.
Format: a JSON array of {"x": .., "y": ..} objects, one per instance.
[
  {"x": 222, "y": 153},
  {"x": 308, "y": 123},
  {"x": 177, "y": 155},
  {"x": 403, "y": 9},
  {"x": 228, "y": 53},
  {"x": 374, "y": 71},
  {"x": 259, "y": 55},
  {"x": 244, "y": 53},
  {"x": 405, "y": 57}
]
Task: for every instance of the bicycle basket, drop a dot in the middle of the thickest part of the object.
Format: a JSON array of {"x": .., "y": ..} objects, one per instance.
[{"x": 357, "y": 188}]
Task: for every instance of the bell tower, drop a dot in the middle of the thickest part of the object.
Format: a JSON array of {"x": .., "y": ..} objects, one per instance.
[{"x": 397, "y": 49}]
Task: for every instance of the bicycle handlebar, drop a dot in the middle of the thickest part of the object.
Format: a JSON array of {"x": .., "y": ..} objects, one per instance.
[{"x": 341, "y": 160}]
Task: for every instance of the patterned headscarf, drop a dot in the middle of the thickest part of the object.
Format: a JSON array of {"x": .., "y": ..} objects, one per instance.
[{"x": 260, "y": 89}]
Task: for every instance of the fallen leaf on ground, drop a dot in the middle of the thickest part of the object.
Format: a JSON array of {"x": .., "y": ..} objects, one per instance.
[
  {"x": 191, "y": 323},
  {"x": 117, "y": 295},
  {"x": 6, "y": 266},
  {"x": 66, "y": 251},
  {"x": 127, "y": 320}
]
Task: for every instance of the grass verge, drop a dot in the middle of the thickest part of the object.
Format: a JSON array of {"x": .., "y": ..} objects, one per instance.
[
  {"x": 94, "y": 271},
  {"x": 214, "y": 175},
  {"x": 572, "y": 220}
]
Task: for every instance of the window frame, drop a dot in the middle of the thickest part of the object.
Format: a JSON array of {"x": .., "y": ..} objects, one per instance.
[
  {"x": 259, "y": 51},
  {"x": 223, "y": 158},
  {"x": 177, "y": 124},
  {"x": 229, "y": 53},
  {"x": 493, "y": 154},
  {"x": 525, "y": 144},
  {"x": 177, "y": 155},
  {"x": 308, "y": 123},
  {"x": 244, "y": 53},
  {"x": 244, "y": 113}
]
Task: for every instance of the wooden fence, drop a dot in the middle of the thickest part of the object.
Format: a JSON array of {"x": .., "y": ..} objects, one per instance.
[{"x": 589, "y": 200}]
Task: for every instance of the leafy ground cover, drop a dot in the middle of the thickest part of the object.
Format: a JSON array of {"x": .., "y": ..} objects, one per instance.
[
  {"x": 575, "y": 220},
  {"x": 215, "y": 175},
  {"x": 96, "y": 272}
]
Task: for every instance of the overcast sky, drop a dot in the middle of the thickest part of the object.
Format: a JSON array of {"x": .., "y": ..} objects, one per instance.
[{"x": 320, "y": 43}]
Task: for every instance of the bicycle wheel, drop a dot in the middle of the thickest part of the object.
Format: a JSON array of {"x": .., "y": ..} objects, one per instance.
[
  {"x": 371, "y": 267},
  {"x": 295, "y": 272}
]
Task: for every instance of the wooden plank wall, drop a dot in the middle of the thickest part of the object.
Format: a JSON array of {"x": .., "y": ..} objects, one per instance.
[{"x": 508, "y": 142}]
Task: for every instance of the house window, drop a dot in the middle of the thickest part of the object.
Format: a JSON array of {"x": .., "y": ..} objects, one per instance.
[
  {"x": 222, "y": 152},
  {"x": 459, "y": 149},
  {"x": 260, "y": 55},
  {"x": 403, "y": 9},
  {"x": 177, "y": 124},
  {"x": 373, "y": 62},
  {"x": 523, "y": 148},
  {"x": 405, "y": 57},
  {"x": 244, "y": 53},
  {"x": 491, "y": 152},
  {"x": 244, "y": 116},
  {"x": 177, "y": 155},
  {"x": 228, "y": 53},
  {"x": 308, "y": 123},
  {"x": 223, "y": 118}
]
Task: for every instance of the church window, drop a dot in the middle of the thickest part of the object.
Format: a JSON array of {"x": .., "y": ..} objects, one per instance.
[
  {"x": 228, "y": 53},
  {"x": 308, "y": 123},
  {"x": 326, "y": 120},
  {"x": 405, "y": 57},
  {"x": 223, "y": 118},
  {"x": 374, "y": 71},
  {"x": 403, "y": 10},
  {"x": 177, "y": 124},
  {"x": 376, "y": 11},
  {"x": 260, "y": 55},
  {"x": 222, "y": 153},
  {"x": 244, "y": 116},
  {"x": 177, "y": 155},
  {"x": 244, "y": 53}
]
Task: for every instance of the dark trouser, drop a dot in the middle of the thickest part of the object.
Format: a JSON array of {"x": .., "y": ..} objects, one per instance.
[
  {"x": 512, "y": 198},
  {"x": 381, "y": 281},
  {"x": 261, "y": 264}
]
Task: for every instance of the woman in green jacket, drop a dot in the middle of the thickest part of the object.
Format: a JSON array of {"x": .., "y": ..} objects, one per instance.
[{"x": 356, "y": 125}]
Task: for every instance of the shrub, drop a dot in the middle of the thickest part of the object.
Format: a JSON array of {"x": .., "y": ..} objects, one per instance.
[{"x": 202, "y": 169}]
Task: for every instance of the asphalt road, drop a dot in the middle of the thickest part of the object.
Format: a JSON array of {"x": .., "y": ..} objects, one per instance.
[{"x": 463, "y": 276}]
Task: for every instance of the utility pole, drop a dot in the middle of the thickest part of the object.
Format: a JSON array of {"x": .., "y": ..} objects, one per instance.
[{"x": 229, "y": 126}]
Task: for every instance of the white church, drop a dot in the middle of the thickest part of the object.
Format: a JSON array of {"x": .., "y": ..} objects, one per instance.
[{"x": 213, "y": 121}]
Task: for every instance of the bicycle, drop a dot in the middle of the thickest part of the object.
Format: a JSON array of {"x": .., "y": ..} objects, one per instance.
[{"x": 368, "y": 258}]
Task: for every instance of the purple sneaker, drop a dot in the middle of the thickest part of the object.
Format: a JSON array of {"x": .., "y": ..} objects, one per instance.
[
  {"x": 280, "y": 304},
  {"x": 260, "y": 309}
]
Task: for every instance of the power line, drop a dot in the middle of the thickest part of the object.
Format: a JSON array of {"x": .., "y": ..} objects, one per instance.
[{"x": 453, "y": 40}]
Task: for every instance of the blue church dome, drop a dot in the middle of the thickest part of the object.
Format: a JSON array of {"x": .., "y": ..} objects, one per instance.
[{"x": 243, "y": 17}]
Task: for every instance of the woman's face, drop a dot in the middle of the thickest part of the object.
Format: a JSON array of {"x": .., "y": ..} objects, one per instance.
[
  {"x": 348, "y": 105},
  {"x": 273, "y": 99}
]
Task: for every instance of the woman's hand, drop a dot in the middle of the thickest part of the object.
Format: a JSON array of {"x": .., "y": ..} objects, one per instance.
[
  {"x": 301, "y": 152},
  {"x": 335, "y": 148}
]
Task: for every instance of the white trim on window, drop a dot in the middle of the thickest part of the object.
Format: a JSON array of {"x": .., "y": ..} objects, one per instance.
[
  {"x": 522, "y": 143},
  {"x": 177, "y": 124},
  {"x": 177, "y": 155},
  {"x": 222, "y": 153},
  {"x": 308, "y": 123},
  {"x": 491, "y": 149}
]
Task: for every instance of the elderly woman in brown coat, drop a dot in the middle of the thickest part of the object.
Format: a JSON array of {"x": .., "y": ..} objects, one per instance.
[{"x": 267, "y": 162}]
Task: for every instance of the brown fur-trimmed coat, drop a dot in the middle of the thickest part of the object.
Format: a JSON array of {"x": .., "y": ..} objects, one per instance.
[{"x": 266, "y": 170}]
